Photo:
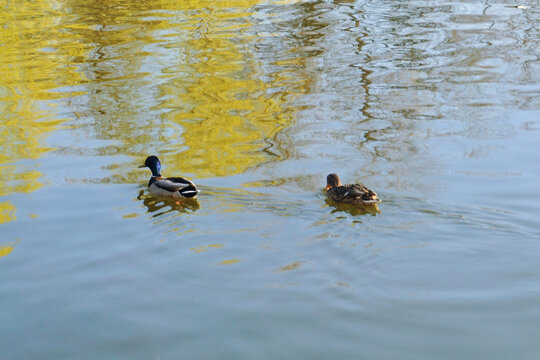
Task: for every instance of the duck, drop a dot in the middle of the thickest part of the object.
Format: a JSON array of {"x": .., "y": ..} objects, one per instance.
[
  {"x": 174, "y": 187},
  {"x": 355, "y": 194}
]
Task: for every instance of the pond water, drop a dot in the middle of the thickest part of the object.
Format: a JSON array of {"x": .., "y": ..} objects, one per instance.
[{"x": 433, "y": 104}]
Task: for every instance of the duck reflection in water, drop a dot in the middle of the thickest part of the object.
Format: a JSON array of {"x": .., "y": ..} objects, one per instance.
[
  {"x": 162, "y": 205},
  {"x": 368, "y": 209}
]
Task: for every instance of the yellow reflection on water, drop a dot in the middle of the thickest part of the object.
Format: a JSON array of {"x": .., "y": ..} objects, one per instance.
[
  {"x": 7, "y": 212},
  {"x": 229, "y": 261},
  {"x": 7, "y": 248},
  {"x": 220, "y": 101},
  {"x": 181, "y": 80},
  {"x": 33, "y": 67},
  {"x": 204, "y": 248},
  {"x": 130, "y": 216}
]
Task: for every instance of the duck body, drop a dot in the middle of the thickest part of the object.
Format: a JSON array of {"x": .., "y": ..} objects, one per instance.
[
  {"x": 174, "y": 187},
  {"x": 356, "y": 194}
]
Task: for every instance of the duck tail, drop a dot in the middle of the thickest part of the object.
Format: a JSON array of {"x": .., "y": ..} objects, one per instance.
[
  {"x": 189, "y": 191},
  {"x": 370, "y": 196}
]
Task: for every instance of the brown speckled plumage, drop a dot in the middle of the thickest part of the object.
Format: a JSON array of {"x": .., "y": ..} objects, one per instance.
[{"x": 356, "y": 194}]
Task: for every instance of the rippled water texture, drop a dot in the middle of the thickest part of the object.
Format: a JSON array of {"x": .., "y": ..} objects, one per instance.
[{"x": 432, "y": 104}]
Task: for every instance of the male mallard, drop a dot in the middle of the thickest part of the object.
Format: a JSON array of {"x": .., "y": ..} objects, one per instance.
[
  {"x": 175, "y": 187},
  {"x": 356, "y": 194}
]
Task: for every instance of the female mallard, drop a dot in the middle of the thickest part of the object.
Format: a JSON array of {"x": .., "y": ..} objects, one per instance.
[
  {"x": 356, "y": 194},
  {"x": 175, "y": 187}
]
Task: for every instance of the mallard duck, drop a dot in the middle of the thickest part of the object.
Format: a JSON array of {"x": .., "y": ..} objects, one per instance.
[
  {"x": 175, "y": 187},
  {"x": 356, "y": 194}
]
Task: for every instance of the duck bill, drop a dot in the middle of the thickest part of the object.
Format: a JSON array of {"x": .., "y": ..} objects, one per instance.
[
  {"x": 141, "y": 166},
  {"x": 328, "y": 187}
]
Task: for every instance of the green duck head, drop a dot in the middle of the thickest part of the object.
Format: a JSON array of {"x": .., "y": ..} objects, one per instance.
[{"x": 152, "y": 162}]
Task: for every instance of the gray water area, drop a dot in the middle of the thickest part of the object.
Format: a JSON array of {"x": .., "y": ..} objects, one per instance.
[{"x": 434, "y": 105}]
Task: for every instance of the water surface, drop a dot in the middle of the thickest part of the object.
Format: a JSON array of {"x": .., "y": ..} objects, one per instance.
[{"x": 434, "y": 105}]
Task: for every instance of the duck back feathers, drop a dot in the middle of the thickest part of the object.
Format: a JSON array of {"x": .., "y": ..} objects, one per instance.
[{"x": 356, "y": 194}]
